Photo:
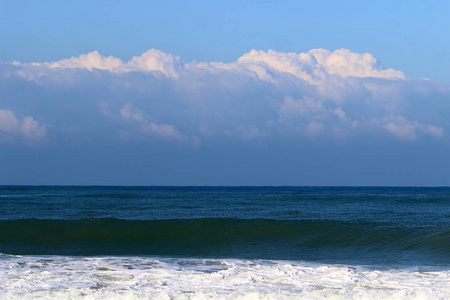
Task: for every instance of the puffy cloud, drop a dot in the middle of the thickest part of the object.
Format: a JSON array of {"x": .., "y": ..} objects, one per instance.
[
  {"x": 263, "y": 95},
  {"x": 315, "y": 117},
  {"x": 8, "y": 121},
  {"x": 151, "y": 60},
  {"x": 26, "y": 128},
  {"x": 345, "y": 63},
  {"x": 127, "y": 113},
  {"x": 407, "y": 130},
  {"x": 154, "y": 60},
  {"x": 311, "y": 66},
  {"x": 92, "y": 60},
  {"x": 317, "y": 64},
  {"x": 165, "y": 131}
]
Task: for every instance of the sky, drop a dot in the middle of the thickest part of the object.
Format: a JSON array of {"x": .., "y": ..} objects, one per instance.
[{"x": 225, "y": 93}]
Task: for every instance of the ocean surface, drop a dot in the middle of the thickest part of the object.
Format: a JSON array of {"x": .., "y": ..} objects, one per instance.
[{"x": 224, "y": 242}]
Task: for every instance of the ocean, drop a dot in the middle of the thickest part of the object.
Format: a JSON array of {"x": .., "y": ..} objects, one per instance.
[{"x": 224, "y": 242}]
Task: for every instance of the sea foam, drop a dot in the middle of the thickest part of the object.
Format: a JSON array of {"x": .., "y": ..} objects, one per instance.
[{"x": 62, "y": 277}]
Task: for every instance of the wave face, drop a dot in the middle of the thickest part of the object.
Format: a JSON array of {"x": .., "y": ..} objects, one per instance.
[
  {"x": 356, "y": 242},
  {"x": 384, "y": 226}
]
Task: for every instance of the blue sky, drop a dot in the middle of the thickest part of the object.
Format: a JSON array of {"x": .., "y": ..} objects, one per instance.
[
  {"x": 408, "y": 35},
  {"x": 171, "y": 93}
]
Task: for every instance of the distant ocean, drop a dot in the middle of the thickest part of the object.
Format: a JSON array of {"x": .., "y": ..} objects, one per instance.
[{"x": 224, "y": 242}]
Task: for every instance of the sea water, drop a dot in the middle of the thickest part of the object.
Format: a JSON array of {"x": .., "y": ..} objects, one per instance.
[{"x": 224, "y": 242}]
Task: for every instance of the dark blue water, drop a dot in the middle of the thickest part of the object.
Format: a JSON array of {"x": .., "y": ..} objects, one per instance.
[{"x": 353, "y": 225}]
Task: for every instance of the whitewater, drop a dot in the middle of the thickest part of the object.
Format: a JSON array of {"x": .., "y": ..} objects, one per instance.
[{"x": 62, "y": 277}]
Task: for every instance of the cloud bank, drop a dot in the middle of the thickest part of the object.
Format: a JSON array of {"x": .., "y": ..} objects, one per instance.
[
  {"x": 315, "y": 64},
  {"x": 263, "y": 94},
  {"x": 264, "y": 99}
]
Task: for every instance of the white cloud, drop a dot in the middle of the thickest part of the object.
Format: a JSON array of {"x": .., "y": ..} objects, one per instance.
[
  {"x": 402, "y": 128},
  {"x": 263, "y": 95},
  {"x": 8, "y": 121},
  {"x": 317, "y": 64},
  {"x": 315, "y": 117},
  {"x": 154, "y": 60},
  {"x": 340, "y": 113},
  {"x": 151, "y": 60},
  {"x": 312, "y": 66},
  {"x": 165, "y": 131},
  {"x": 32, "y": 129},
  {"x": 92, "y": 60},
  {"x": 406, "y": 129},
  {"x": 345, "y": 63},
  {"x": 27, "y": 127},
  {"x": 127, "y": 113}
]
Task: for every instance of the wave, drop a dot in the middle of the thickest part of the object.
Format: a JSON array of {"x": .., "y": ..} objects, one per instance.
[
  {"x": 163, "y": 278},
  {"x": 70, "y": 277},
  {"x": 211, "y": 237}
]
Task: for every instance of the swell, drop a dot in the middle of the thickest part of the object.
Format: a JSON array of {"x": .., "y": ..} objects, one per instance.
[{"x": 252, "y": 238}]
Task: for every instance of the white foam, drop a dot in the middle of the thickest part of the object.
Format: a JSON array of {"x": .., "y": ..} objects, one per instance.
[{"x": 58, "y": 277}]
